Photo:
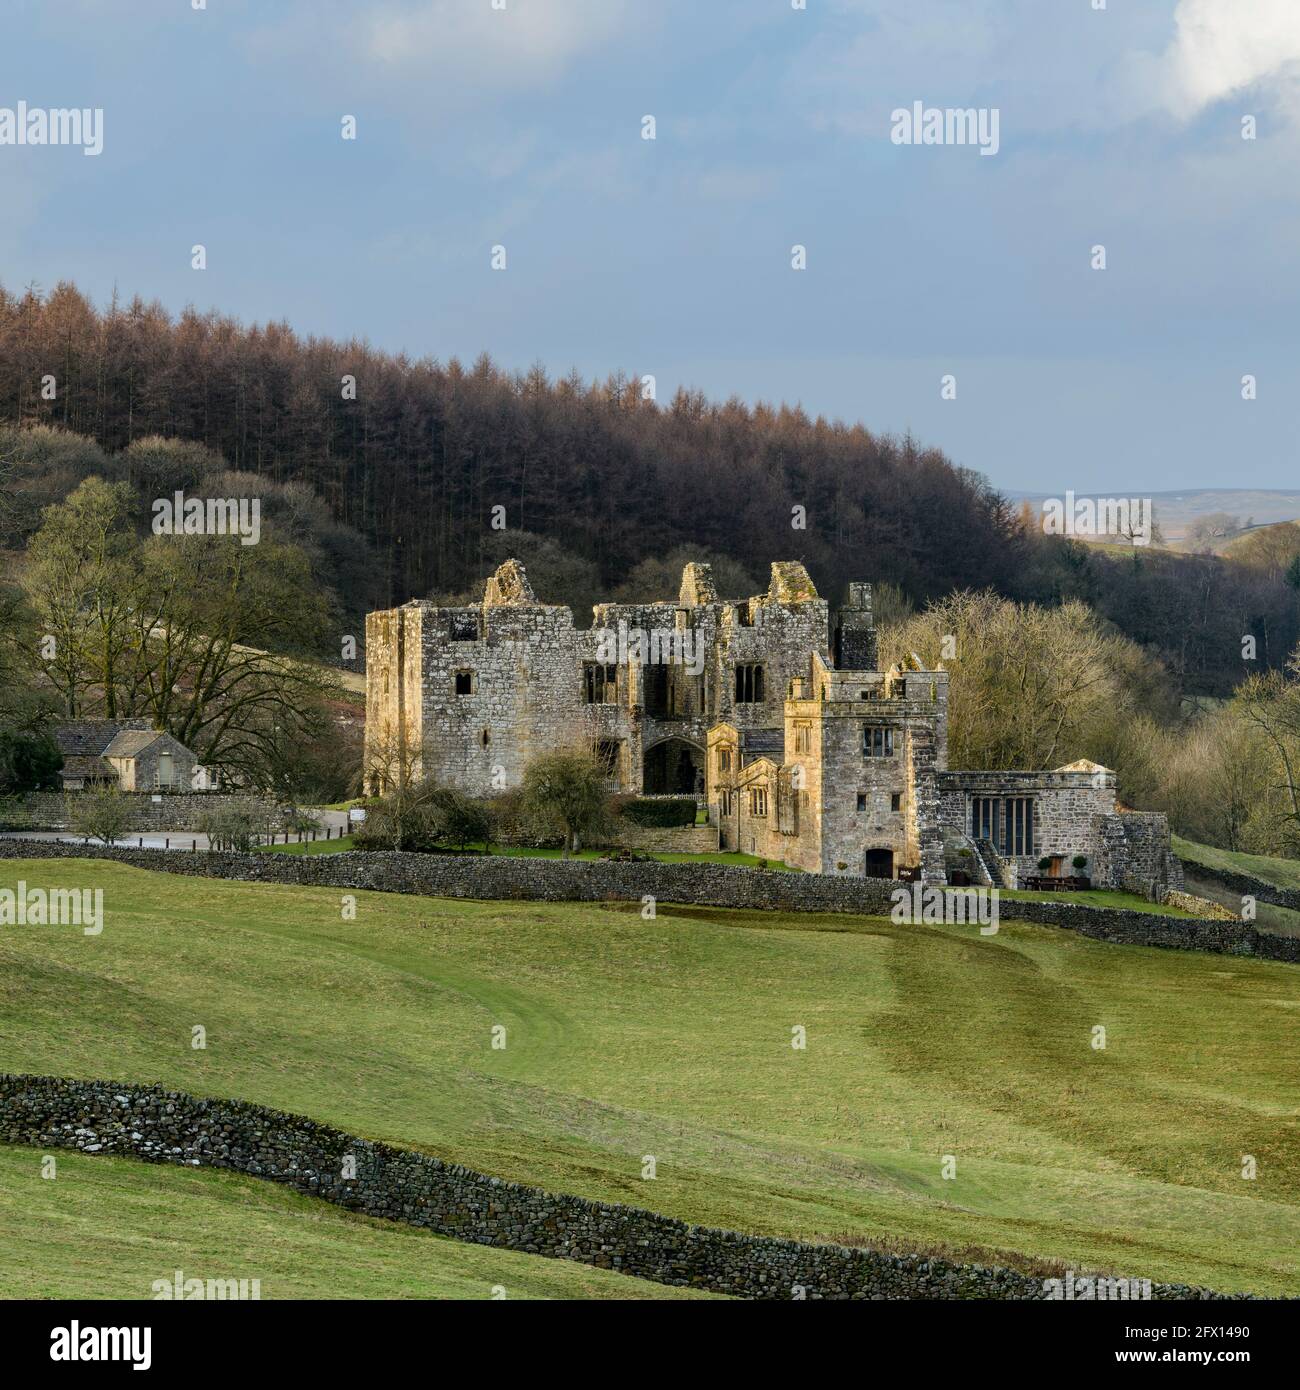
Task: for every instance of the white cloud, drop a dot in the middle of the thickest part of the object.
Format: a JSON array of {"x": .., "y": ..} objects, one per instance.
[
  {"x": 529, "y": 42},
  {"x": 1226, "y": 46}
]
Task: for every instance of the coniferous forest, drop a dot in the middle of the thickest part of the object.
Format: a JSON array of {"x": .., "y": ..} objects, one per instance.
[{"x": 415, "y": 455}]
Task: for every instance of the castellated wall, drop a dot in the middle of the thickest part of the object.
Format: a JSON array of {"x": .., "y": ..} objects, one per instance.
[{"x": 522, "y": 689}]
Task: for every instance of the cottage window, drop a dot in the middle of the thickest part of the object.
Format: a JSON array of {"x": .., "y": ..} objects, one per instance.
[
  {"x": 877, "y": 742},
  {"x": 749, "y": 684}
]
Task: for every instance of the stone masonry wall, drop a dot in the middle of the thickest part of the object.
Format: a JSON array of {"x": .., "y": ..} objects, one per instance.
[
  {"x": 180, "y": 811},
  {"x": 161, "y": 1126},
  {"x": 666, "y": 839},
  {"x": 710, "y": 885}
]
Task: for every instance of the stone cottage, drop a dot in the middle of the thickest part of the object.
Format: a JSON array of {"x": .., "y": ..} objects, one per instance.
[
  {"x": 802, "y": 750},
  {"x": 127, "y": 753}
]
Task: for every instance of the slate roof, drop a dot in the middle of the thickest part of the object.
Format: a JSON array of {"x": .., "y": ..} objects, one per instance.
[
  {"x": 89, "y": 737},
  {"x": 82, "y": 766},
  {"x": 131, "y": 742},
  {"x": 762, "y": 743}
]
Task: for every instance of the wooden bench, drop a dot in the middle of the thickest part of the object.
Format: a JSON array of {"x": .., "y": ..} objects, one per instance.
[{"x": 1064, "y": 884}]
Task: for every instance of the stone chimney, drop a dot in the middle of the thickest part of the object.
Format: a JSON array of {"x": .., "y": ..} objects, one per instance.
[{"x": 855, "y": 631}]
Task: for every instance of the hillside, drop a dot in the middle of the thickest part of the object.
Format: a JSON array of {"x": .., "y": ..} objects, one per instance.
[
  {"x": 672, "y": 1038},
  {"x": 110, "y": 1227},
  {"x": 1176, "y": 511}
]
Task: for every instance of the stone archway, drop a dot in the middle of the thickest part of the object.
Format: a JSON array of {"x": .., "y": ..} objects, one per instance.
[
  {"x": 673, "y": 767},
  {"x": 878, "y": 863}
]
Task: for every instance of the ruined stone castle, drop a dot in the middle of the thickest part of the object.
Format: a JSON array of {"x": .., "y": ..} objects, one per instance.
[{"x": 803, "y": 751}]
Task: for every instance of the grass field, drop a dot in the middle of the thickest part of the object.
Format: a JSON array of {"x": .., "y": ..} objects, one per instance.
[
  {"x": 1283, "y": 873},
  {"x": 109, "y": 1227},
  {"x": 524, "y": 852},
  {"x": 672, "y": 1038}
]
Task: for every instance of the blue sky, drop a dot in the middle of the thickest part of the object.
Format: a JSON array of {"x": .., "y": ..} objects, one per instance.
[{"x": 523, "y": 127}]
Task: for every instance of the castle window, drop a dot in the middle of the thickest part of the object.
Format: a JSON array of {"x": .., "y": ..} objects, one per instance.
[
  {"x": 803, "y": 738},
  {"x": 749, "y": 684},
  {"x": 464, "y": 627},
  {"x": 464, "y": 682},
  {"x": 745, "y": 617},
  {"x": 877, "y": 742},
  {"x": 599, "y": 683},
  {"x": 485, "y": 738},
  {"x": 862, "y": 801},
  {"x": 1007, "y": 821},
  {"x": 607, "y": 753},
  {"x": 724, "y": 760},
  {"x": 758, "y": 801},
  {"x": 896, "y": 801}
]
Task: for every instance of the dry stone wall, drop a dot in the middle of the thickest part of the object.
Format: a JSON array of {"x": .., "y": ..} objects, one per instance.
[
  {"x": 160, "y": 1126},
  {"x": 182, "y": 811},
  {"x": 709, "y": 885},
  {"x": 1246, "y": 884}
]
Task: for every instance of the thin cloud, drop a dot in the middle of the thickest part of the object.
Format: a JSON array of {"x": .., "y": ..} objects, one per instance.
[{"x": 530, "y": 41}]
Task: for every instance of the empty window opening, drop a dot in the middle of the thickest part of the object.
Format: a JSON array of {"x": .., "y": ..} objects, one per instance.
[
  {"x": 749, "y": 684},
  {"x": 877, "y": 742},
  {"x": 599, "y": 683}
]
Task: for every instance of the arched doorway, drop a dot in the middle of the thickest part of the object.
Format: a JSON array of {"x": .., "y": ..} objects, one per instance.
[
  {"x": 673, "y": 768},
  {"x": 879, "y": 863}
]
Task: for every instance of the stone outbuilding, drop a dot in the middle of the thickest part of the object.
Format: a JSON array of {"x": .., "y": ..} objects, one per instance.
[{"x": 127, "y": 753}]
